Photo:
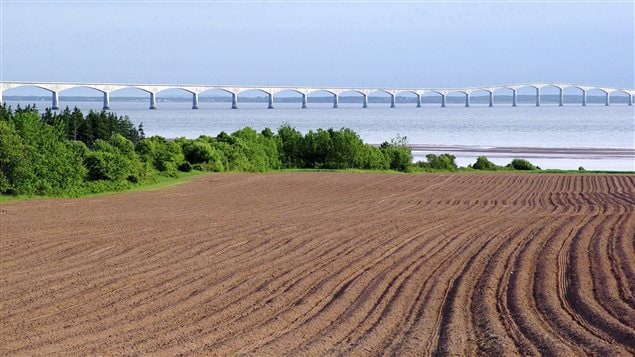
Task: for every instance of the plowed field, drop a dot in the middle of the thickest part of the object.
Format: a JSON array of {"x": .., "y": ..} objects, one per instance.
[{"x": 326, "y": 264}]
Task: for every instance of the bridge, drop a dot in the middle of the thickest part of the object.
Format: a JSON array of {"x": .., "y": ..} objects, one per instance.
[{"x": 152, "y": 89}]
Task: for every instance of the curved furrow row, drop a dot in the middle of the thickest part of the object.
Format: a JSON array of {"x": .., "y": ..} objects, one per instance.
[
  {"x": 248, "y": 292},
  {"x": 576, "y": 287},
  {"x": 522, "y": 306},
  {"x": 279, "y": 287},
  {"x": 622, "y": 256},
  {"x": 550, "y": 275},
  {"x": 106, "y": 277},
  {"x": 605, "y": 276},
  {"x": 423, "y": 325},
  {"x": 145, "y": 290},
  {"x": 149, "y": 311},
  {"x": 496, "y": 331},
  {"x": 386, "y": 296},
  {"x": 332, "y": 294}
]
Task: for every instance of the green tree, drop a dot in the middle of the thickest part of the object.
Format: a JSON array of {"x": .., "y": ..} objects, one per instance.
[{"x": 482, "y": 163}]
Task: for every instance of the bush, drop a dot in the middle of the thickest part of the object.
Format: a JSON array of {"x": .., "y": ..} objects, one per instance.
[
  {"x": 374, "y": 158},
  {"x": 198, "y": 151},
  {"x": 443, "y": 162},
  {"x": 113, "y": 160},
  {"x": 35, "y": 158},
  {"x": 482, "y": 163},
  {"x": 291, "y": 147},
  {"x": 317, "y": 146},
  {"x": 185, "y": 167},
  {"x": 521, "y": 164},
  {"x": 163, "y": 155},
  {"x": 398, "y": 153}
]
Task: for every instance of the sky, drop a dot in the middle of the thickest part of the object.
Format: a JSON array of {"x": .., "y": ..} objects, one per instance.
[{"x": 319, "y": 43}]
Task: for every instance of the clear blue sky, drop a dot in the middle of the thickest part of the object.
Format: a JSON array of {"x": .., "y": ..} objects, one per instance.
[{"x": 396, "y": 44}]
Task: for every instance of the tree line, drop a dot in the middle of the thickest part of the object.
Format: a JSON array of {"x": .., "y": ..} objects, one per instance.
[{"x": 69, "y": 153}]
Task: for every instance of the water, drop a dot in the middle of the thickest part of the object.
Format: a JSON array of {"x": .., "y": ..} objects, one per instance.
[{"x": 548, "y": 126}]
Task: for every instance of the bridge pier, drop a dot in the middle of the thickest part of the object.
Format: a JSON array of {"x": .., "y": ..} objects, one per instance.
[
  {"x": 607, "y": 100},
  {"x": 584, "y": 98},
  {"x": 153, "y": 101},
  {"x": 365, "y": 105},
  {"x": 418, "y": 100},
  {"x": 537, "y": 96},
  {"x": 194, "y": 100},
  {"x": 55, "y": 105},
  {"x": 491, "y": 98},
  {"x": 467, "y": 99},
  {"x": 561, "y": 101},
  {"x": 270, "y": 106},
  {"x": 514, "y": 98},
  {"x": 106, "y": 101},
  {"x": 305, "y": 100},
  {"x": 392, "y": 100},
  {"x": 335, "y": 101},
  {"x": 443, "y": 100},
  {"x": 630, "y": 99},
  {"x": 234, "y": 101}
]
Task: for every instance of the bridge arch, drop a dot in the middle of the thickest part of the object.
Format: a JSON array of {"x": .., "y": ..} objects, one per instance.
[
  {"x": 382, "y": 96},
  {"x": 217, "y": 95},
  {"x": 38, "y": 86},
  {"x": 161, "y": 92},
  {"x": 407, "y": 96},
  {"x": 597, "y": 96},
  {"x": 80, "y": 91},
  {"x": 134, "y": 89},
  {"x": 620, "y": 96},
  {"x": 354, "y": 96},
  {"x": 174, "y": 88},
  {"x": 100, "y": 90},
  {"x": 456, "y": 97},
  {"x": 552, "y": 94},
  {"x": 291, "y": 95},
  {"x": 253, "y": 96},
  {"x": 335, "y": 95},
  {"x": 572, "y": 94},
  {"x": 432, "y": 97},
  {"x": 26, "y": 90},
  {"x": 526, "y": 94},
  {"x": 480, "y": 97},
  {"x": 502, "y": 95}
]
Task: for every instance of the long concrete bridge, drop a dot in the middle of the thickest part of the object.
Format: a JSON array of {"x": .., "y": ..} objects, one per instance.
[{"x": 152, "y": 89}]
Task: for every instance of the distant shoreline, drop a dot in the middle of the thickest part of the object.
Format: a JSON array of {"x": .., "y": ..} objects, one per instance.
[{"x": 528, "y": 152}]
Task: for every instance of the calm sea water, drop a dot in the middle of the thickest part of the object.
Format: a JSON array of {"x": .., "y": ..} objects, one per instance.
[{"x": 550, "y": 126}]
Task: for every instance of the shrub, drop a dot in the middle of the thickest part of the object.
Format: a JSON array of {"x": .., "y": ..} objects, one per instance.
[
  {"x": 482, "y": 163},
  {"x": 374, "y": 158},
  {"x": 318, "y": 144},
  {"x": 443, "y": 162},
  {"x": 163, "y": 155},
  {"x": 291, "y": 147},
  {"x": 35, "y": 158},
  {"x": 521, "y": 164},
  {"x": 398, "y": 153},
  {"x": 113, "y": 160},
  {"x": 185, "y": 167},
  {"x": 198, "y": 151}
]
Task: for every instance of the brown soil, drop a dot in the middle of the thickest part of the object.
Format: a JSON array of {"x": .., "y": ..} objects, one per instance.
[{"x": 326, "y": 264}]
